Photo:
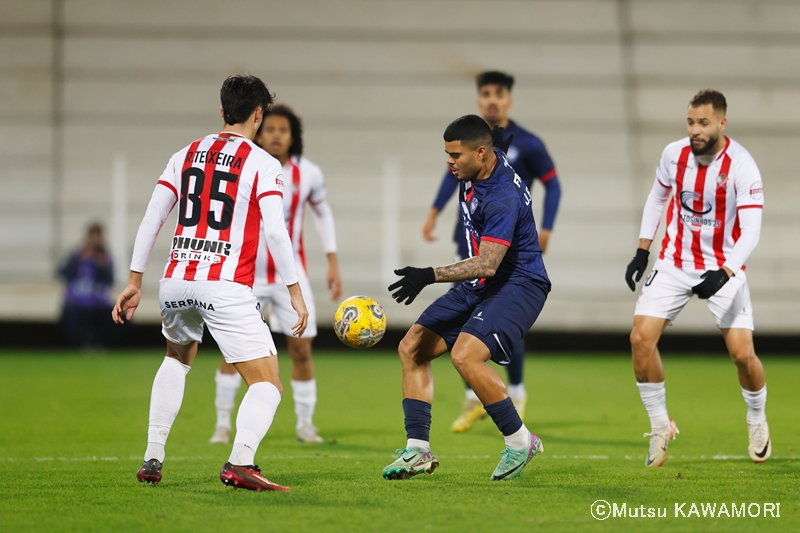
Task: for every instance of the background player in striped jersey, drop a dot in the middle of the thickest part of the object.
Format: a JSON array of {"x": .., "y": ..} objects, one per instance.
[
  {"x": 713, "y": 225},
  {"x": 529, "y": 157},
  {"x": 228, "y": 192},
  {"x": 281, "y": 135},
  {"x": 503, "y": 287}
]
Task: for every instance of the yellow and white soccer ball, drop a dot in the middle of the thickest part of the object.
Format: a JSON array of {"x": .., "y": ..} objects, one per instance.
[{"x": 359, "y": 322}]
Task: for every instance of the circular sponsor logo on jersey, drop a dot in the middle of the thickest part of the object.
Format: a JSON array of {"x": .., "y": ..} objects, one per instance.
[
  {"x": 512, "y": 154},
  {"x": 688, "y": 200},
  {"x": 756, "y": 191}
]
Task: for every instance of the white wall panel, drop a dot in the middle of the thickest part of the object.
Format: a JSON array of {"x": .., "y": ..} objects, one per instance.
[{"x": 378, "y": 79}]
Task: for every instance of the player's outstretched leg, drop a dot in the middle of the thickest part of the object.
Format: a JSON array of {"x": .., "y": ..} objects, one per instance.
[
  {"x": 165, "y": 402},
  {"x": 252, "y": 423},
  {"x": 754, "y": 390},
  {"x": 650, "y": 380},
  {"x": 417, "y": 349},
  {"x": 228, "y": 382}
]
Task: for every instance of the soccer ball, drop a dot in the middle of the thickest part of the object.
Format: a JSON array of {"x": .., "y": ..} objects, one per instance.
[{"x": 359, "y": 322}]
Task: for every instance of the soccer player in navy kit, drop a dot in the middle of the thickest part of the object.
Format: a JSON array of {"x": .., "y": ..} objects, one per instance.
[
  {"x": 503, "y": 287},
  {"x": 529, "y": 158}
]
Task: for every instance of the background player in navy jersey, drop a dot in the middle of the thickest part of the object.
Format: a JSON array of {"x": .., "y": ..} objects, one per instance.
[
  {"x": 529, "y": 157},
  {"x": 503, "y": 287}
]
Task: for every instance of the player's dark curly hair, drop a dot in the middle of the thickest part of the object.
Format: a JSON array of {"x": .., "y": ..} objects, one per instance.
[
  {"x": 471, "y": 130},
  {"x": 240, "y": 95},
  {"x": 710, "y": 96},
  {"x": 495, "y": 77},
  {"x": 295, "y": 124}
]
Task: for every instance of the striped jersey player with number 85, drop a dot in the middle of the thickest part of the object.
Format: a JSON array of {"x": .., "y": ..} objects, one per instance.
[{"x": 228, "y": 191}]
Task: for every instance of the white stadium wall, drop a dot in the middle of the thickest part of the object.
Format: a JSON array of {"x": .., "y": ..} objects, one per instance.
[{"x": 85, "y": 83}]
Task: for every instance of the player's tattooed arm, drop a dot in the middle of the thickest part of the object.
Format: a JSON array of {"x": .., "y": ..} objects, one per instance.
[{"x": 484, "y": 265}]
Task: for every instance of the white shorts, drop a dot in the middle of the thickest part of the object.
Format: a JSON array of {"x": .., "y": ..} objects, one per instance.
[
  {"x": 229, "y": 309},
  {"x": 668, "y": 288},
  {"x": 275, "y": 300}
]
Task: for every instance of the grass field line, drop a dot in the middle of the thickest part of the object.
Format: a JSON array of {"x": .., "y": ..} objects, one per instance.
[{"x": 94, "y": 458}]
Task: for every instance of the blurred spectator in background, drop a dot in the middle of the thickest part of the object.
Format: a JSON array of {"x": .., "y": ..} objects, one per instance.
[{"x": 89, "y": 275}]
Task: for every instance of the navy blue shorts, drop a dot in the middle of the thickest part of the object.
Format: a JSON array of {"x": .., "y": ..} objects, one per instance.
[{"x": 499, "y": 315}]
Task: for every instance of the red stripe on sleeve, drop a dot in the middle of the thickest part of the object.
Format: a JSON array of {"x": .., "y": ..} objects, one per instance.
[
  {"x": 269, "y": 193},
  {"x": 168, "y": 185},
  {"x": 495, "y": 240},
  {"x": 753, "y": 206},
  {"x": 665, "y": 186},
  {"x": 547, "y": 177}
]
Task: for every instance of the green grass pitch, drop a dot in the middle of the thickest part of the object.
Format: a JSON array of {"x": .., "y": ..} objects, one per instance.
[{"x": 74, "y": 429}]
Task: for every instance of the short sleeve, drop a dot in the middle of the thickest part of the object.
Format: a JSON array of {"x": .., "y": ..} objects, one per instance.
[
  {"x": 500, "y": 219},
  {"x": 747, "y": 180},
  {"x": 270, "y": 179}
]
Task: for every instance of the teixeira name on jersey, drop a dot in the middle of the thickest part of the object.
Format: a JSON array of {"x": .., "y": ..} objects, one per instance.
[
  {"x": 218, "y": 158},
  {"x": 189, "y": 249}
]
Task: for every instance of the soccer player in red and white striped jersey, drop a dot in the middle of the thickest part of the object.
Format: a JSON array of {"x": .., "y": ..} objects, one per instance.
[
  {"x": 713, "y": 225},
  {"x": 229, "y": 194},
  {"x": 281, "y": 135}
]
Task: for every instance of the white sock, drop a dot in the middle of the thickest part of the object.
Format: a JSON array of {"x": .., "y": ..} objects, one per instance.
[
  {"x": 470, "y": 395},
  {"x": 521, "y": 440},
  {"x": 756, "y": 402},
  {"x": 227, "y": 387},
  {"x": 654, "y": 398},
  {"x": 516, "y": 392},
  {"x": 416, "y": 443},
  {"x": 165, "y": 402},
  {"x": 253, "y": 421},
  {"x": 305, "y": 399}
]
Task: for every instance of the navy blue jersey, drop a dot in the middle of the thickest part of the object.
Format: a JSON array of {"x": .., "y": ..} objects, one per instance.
[
  {"x": 529, "y": 157},
  {"x": 498, "y": 209}
]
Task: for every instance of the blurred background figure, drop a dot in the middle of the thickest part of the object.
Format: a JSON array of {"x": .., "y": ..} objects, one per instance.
[{"x": 89, "y": 274}]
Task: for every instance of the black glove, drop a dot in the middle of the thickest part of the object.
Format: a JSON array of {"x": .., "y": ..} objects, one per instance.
[
  {"x": 413, "y": 281},
  {"x": 497, "y": 138},
  {"x": 637, "y": 266},
  {"x": 713, "y": 280}
]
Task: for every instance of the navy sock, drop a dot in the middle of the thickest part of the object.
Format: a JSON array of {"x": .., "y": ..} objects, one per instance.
[
  {"x": 515, "y": 366},
  {"x": 505, "y": 416},
  {"x": 418, "y": 419}
]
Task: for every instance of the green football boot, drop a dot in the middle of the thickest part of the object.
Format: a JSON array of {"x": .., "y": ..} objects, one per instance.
[
  {"x": 412, "y": 461},
  {"x": 513, "y": 461}
]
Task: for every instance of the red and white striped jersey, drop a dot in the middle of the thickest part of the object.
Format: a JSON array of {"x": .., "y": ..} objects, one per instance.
[
  {"x": 219, "y": 181},
  {"x": 303, "y": 183},
  {"x": 708, "y": 192}
]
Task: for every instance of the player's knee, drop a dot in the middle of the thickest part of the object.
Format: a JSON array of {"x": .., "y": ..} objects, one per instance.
[
  {"x": 640, "y": 340},
  {"x": 301, "y": 354},
  {"x": 743, "y": 356}
]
